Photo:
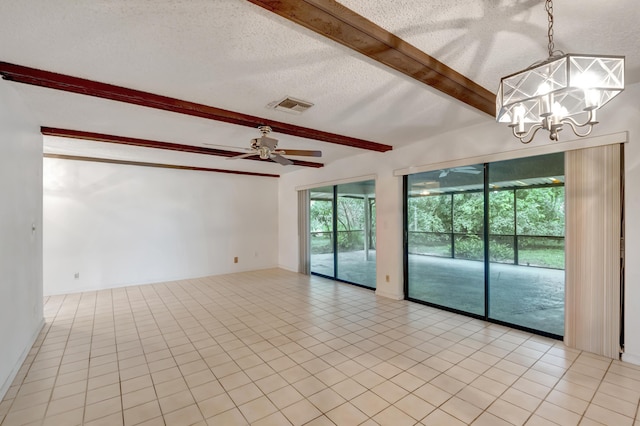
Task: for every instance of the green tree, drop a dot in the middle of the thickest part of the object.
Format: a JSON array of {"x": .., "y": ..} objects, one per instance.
[
  {"x": 468, "y": 213},
  {"x": 468, "y": 218},
  {"x": 351, "y": 218},
  {"x": 430, "y": 213},
  {"x": 540, "y": 211},
  {"x": 350, "y": 223},
  {"x": 321, "y": 215},
  {"x": 321, "y": 226},
  {"x": 501, "y": 212}
]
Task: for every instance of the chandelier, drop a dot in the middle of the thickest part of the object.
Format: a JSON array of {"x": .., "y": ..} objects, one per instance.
[{"x": 558, "y": 90}]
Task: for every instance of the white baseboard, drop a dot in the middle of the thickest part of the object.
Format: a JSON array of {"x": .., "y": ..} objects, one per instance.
[
  {"x": 631, "y": 359},
  {"x": 287, "y": 268},
  {"x": 7, "y": 383},
  {"x": 389, "y": 295}
]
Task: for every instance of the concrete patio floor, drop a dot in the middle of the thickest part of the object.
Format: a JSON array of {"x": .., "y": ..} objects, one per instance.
[{"x": 522, "y": 295}]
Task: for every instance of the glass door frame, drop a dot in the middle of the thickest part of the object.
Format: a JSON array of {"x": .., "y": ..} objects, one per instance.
[
  {"x": 486, "y": 261},
  {"x": 368, "y": 205}
]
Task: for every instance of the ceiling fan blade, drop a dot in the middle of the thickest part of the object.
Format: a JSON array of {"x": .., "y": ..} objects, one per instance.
[
  {"x": 302, "y": 152},
  {"x": 249, "y": 154},
  {"x": 280, "y": 159},
  {"x": 466, "y": 169}
]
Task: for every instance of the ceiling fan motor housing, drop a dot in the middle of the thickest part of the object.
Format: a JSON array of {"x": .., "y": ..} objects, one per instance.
[
  {"x": 267, "y": 142},
  {"x": 266, "y": 148}
]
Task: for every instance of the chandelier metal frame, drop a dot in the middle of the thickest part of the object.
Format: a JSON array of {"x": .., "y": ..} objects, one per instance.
[{"x": 550, "y": 93}]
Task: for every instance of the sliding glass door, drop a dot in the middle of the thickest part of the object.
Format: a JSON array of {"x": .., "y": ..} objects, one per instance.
[
  {"x": 488, "y": 240},
  {"x": 526, "y": 242},
  {"x": 356, "y": 248},
  {"x": 342, "y": 224},
  {"x": 321, "y": 240},
  {"x": 444, "y": 232}
]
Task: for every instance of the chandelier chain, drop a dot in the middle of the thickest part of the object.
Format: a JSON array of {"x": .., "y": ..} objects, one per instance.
[{"x": 549, "y": 8}]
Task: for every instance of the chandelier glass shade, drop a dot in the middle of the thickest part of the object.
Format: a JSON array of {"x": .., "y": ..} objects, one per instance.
[{"x": 563, "y": 89}]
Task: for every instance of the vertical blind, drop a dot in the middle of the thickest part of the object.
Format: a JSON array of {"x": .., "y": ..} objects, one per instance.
[
  {"x": 593, "y": 186},
  {"x": 303, "y": 232}
]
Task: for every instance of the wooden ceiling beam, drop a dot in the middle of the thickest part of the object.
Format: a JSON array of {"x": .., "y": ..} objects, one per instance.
[
  {"x": 159, "y": 165},
  {"x": 335, "y": 21},
  {"x": 51, "y": 80},
  {"x": 146, "y": 143}
]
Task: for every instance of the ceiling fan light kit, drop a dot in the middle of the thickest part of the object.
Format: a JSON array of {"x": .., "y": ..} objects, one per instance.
[{"x": 551, "y": 93}]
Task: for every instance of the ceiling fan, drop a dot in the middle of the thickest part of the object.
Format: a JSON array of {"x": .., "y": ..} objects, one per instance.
[
  {"x": 463, "y": 169},
  {"x": 266, "y": 148}
]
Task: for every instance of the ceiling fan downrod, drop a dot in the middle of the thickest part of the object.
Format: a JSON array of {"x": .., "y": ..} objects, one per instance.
[{"x": 265, "y": 130}]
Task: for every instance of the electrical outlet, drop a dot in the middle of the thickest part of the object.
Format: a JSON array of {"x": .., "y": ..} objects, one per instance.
[
  {"x": 235, "y": 259},
  {"x": 387, "y": 278},
  {"x": 76, "y": 275}
]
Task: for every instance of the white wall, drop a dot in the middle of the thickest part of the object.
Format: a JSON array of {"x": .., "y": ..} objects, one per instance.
[
  {"x": 627, "y": 117},
  {"x": 486, "y": 139},
  {"x": 118, "y": 225},
  {"x": 21, "y": 316}
]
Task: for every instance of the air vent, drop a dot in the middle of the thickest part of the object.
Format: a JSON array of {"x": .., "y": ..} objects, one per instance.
[{"x": 290, "y": 105}]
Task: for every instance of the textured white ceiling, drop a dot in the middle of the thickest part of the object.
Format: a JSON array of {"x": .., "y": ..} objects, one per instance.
[
  {"x": 234, "y": 55},
  {"x": 487, "y": 39}
]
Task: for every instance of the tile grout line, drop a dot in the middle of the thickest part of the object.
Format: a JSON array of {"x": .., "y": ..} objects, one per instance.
[{"x": 232, "y": 313}]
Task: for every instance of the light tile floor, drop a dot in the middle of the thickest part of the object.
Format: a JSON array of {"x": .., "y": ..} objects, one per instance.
[{"x": 278, "y": 348}]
